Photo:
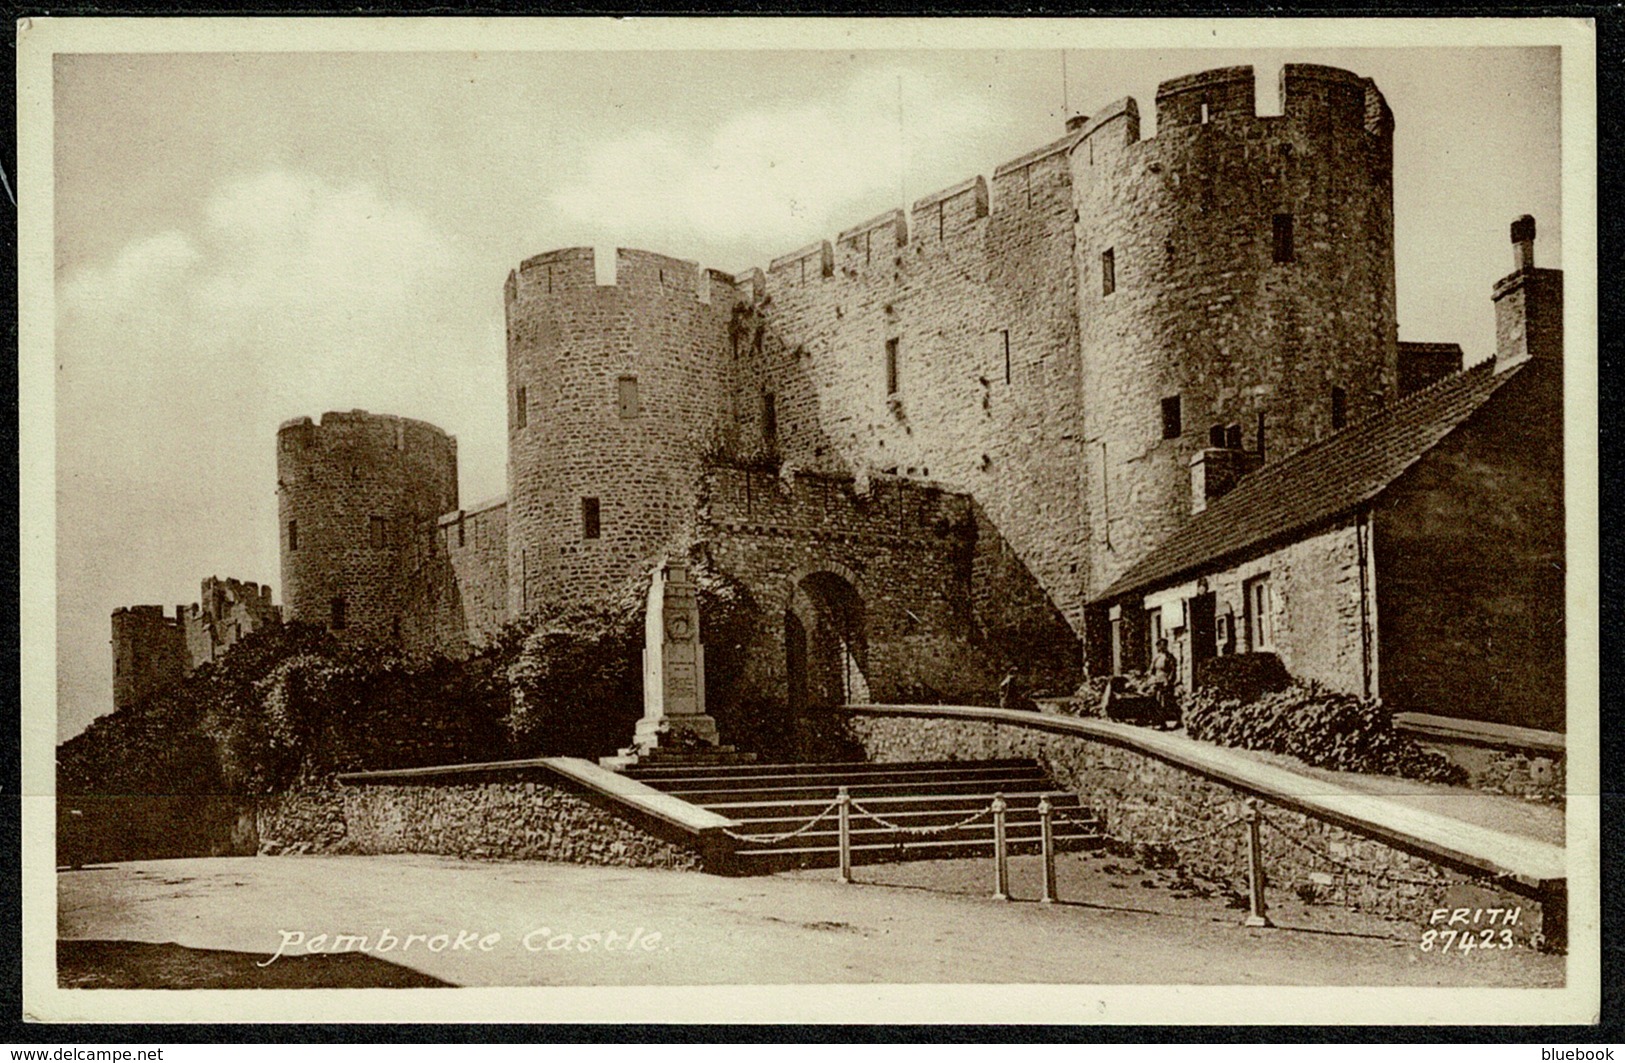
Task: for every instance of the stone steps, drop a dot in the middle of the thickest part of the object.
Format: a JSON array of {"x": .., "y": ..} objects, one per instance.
[{"x": 921, "y": 808}]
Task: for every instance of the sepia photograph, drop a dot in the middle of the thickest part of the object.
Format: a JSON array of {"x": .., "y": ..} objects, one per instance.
[{"x": 809, "y": 520}]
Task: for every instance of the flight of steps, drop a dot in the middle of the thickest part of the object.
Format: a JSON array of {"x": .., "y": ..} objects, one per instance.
[{"x": 773, "y": 799}]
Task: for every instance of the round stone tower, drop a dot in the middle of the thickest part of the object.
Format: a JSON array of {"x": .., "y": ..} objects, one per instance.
[
  {"x": 615, "y": 392},
  {"x": 1235, "y": 288},
  {"x": 353, "y": 494}
]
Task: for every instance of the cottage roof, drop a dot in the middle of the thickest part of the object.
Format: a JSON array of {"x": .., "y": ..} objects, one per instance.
[{"x": 1320, "y": 482}]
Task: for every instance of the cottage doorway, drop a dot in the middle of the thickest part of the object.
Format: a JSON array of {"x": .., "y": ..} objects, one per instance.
[
  {"x": 825, "y": 648},
  {"x": 1204, "y": 633}
]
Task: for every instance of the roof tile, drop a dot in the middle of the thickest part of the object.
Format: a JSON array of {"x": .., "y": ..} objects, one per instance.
[{"x": 1321, "y": 481}]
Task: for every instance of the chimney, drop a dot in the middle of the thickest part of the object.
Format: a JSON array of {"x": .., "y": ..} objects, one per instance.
[
  {"x": 1424, "y": 364},
  {"x": 1215, "y": 470},
  {"x": 1523, "y": 244},
  {"x": 1528, "y": 305}
]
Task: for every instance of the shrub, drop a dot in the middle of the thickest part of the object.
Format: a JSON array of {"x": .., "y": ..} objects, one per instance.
[
  {"x": 1242, "y": 676},
  {"x": 1321, "y": 727}
]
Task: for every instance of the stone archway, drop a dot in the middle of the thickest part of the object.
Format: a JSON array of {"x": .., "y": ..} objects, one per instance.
[{"x": 826, "y": 648}]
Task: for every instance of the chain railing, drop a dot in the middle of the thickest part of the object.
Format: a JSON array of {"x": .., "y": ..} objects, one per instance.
[
  {"x": 773, "y": 839},
  {"x": 1251, "y": 817}
]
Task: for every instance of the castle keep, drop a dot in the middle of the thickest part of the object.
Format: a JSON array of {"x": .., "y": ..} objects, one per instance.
[{"x": 926, "y": 446}]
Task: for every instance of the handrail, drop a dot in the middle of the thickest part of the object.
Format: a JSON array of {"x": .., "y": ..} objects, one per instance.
[{"x": 1525, "y": 865}]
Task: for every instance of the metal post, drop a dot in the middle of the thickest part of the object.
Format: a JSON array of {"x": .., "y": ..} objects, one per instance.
[
  {"x": 1047, "y": 836},
  {"x": 843, "y": 807},
  {"x": 1256, "y": 915},
  {"x": 1001, "y": 857}
]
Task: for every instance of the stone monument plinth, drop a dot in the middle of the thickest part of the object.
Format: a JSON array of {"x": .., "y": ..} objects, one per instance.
[{"x": 674, "y": 728}]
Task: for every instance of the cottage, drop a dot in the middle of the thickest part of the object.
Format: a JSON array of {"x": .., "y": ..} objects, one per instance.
[{"x": 1416, "y": 555}]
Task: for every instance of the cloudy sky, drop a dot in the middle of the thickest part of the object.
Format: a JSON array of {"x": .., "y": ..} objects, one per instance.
[{"x": 244, "y": 238}]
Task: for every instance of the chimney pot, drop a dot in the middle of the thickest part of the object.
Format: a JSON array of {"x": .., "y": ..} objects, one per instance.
[{"x": 1523, "y": 243}]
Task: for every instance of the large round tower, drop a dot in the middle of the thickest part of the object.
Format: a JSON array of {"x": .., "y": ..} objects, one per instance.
[
  {"x": 352, "y": 493},
  {"x": 615, "y": 391},
  {"x": 1235, "y": 287}
]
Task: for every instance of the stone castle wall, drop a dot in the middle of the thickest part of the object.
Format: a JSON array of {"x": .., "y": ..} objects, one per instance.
[
  {"x": 973, "y": 291},
  {"x": 967, "y": 342},
  {"x": 904, "y": 547},
  {"x": 351, "y": 493},
  {"x": 1199, "y": 307},
  {"x": 1146, "y": 802},
  {"x": 152, "y": 651},
  {"x": 614, "y": 391},
  {"x": 149, "y": 653}
]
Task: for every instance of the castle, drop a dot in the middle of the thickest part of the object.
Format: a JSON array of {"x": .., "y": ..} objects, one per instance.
[{"x": 925, "y": 447}]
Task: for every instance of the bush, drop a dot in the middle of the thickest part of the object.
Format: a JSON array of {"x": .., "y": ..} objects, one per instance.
[
  {"x": 1242, "y": 676},
  {"x": 1321, "y": 727}
]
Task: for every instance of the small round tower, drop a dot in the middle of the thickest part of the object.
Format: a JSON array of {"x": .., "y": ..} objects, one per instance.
[
  {"x": 615, "y": 391},
  {"x": 352, "y": 493},
  {"x": 1235, "y": 287}
]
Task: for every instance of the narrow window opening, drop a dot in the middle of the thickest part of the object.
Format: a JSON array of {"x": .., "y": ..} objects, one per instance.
[
  {"x": 1260, "y": 614},
  {"x": 1283, "y": 238},
  {"x": 293, "y": 536},
  {"x": 770, "y": 416},
  {"x": 891, "y": 368},
  {"x": 336, "y": 613},
  {"x": 626, "y": 397},
  {"x": 1005, "y": 334},
  {"x": 1207, "y": 113},
  {"x": 1108, "y": 271},
  {"x": 589, "y": 518},
  {"x": 377, "y": 532},
  {"x": 462, "y": 538},
  {"x": 1340, "y": 408},
  {"x": 1172, "y": 420},
  {"x": 521, "y": 411},
  {"x": 1261, "y": 450}
]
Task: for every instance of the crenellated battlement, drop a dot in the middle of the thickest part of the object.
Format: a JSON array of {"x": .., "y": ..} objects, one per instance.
[
  {"x": 571, "y": 271},
  {"x": 814, "y": 506},
  {"x": 353, "y": 429},
  {"x": 1316, "y": 102}
]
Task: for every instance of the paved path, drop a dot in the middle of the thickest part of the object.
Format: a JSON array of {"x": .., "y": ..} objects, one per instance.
[{"x": 795, "y": 928}]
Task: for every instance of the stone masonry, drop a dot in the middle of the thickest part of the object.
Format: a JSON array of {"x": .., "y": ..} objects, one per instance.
[{"x": 1047, "y": 348}]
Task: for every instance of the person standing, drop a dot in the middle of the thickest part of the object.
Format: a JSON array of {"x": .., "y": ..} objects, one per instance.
[{"x": 1164, "y": 680}]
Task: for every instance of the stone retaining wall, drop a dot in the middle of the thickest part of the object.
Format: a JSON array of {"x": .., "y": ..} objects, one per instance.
[
  {"x": 507, "y": 820},
  {"x": 1164, "y": 811}
]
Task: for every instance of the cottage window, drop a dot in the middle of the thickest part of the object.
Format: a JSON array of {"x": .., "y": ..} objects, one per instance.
[
  {"x": 521, "y": 412},
  {"x": 1108, "y": 271},
  {"x": 589, "y": 518},
  {"x": 1283, "y": 238},
  {"x": 1172, "y": 418},
  {"x": 1260, "y": 614}
]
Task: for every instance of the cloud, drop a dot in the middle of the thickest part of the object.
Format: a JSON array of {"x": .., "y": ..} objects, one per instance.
[
  {"x": 782, "y": 174},
  {"x": 178, "y": 356}
]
